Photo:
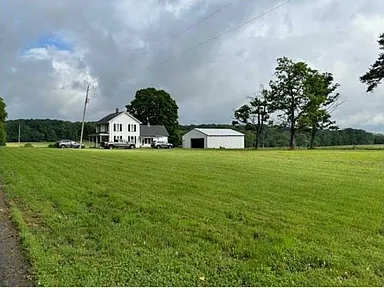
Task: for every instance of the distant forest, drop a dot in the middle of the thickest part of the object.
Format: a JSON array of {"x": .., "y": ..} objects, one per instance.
[{"x": 47, "y": 130}]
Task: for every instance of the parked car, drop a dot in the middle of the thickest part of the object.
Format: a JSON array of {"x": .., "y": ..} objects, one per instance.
[
  {"x": 162, "y": 144},
  {"x": 65, "y": 143},
  {"x": 120, "y": 144}
]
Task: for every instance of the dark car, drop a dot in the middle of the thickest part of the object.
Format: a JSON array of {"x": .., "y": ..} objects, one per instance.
[
  {"x": 162, "y": 144},
  {"x": 67, "y": 144}
]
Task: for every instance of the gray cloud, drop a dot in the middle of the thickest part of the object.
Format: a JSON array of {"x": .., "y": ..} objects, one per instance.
[{"x": 115, "y": 48}]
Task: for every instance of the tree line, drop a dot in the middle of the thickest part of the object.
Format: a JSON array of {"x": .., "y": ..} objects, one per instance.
[
  {"x": 47, "y": 130},
  {"x": 278, "y": 136}
]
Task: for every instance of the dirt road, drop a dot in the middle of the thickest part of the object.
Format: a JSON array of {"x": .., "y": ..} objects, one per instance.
[{"x": 13, "y": 265}]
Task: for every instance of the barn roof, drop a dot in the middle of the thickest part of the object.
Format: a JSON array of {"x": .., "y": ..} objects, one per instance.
[
  {"x": 219, "y": 132},
  {"x": 153, "y": 131}
]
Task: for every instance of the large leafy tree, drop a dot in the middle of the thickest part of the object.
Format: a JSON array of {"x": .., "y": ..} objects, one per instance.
[
  {"x": 287, "y": 95},
  {"x": 376, "y": 72},
  {"x": 157, "y": 108},
  {"x": 320, "y": 91},
  {"x": 3, "y": 116},
  {"x": 255, "y": 114}
]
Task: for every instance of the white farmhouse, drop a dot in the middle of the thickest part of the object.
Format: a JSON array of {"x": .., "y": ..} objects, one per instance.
[
  {"x": 213, "y": 138},
  {"x": 123, "y": 126}
]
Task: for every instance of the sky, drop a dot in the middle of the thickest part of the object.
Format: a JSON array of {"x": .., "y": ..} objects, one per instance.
[{"x": 51, "y": 50}]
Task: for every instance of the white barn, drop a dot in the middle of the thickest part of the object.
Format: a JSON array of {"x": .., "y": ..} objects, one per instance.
[{"x": 213, "y": 138}]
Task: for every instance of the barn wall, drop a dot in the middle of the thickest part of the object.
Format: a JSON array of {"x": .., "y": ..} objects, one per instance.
[
  {"x": 193, "y": 134},
  {"x": 229, "y": 142}
]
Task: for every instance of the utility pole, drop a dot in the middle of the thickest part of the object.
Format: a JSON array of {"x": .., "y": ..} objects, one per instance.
[
  {"x": 19, "y": 134},
  {"x": 82, "y": 125}
]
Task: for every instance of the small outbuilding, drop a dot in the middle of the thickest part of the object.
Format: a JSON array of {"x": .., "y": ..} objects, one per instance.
[{"x": 206, "y": 138}]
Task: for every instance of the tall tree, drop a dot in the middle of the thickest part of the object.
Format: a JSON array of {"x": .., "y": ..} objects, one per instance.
[
  {"x": 376, "y": 72},
  {"x": 255, "y": 114},
  {"x": 320, "y": 90},
  {"x": 3, "y": 116},
  {"x": 157, "y": 108},
  {"x": 288, "y": 95}
]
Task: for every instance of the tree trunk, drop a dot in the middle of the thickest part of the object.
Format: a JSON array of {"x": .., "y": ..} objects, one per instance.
[
  {"x": 292, "y": 131},
  {"x": 313, "y": 134},
  {"x": 257, "y": 138},
  {"x": 292, "y": 138},
  {"x": 258, "y": 127}
]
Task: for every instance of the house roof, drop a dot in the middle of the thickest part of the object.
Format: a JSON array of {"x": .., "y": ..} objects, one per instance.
[
  {"x": 219, "y": 132},
  {"x": 153, "y": 130},
  {"x": 109, "y": 117}
]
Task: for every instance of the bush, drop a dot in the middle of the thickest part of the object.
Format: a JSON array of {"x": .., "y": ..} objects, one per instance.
[
  {"x": 52, "y": 146},
  {"x": 28, "y": 145}
]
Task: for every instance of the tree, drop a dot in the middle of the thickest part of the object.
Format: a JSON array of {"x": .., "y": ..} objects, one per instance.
[
  {"x": 376, "y": 72},
  {"x": 157, "y": 108},
  {"x": 319, "y": 89},
  {"x": 287, "y": 94},
  {"x": 3, "y": 116},
  {"x": 255, "y": 114}
]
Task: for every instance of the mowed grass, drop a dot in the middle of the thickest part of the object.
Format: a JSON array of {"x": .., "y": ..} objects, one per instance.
[{"x": 199, "y": 218}]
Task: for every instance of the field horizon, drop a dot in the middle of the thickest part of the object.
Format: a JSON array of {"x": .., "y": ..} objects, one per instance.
[{"x": 181, "y": 217}]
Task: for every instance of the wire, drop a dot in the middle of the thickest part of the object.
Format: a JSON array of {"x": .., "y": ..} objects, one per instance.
[
  {"x": 192, "y": 26},
  {"x": 225, "y": 32},
  {"x": 217, "y": 36}
]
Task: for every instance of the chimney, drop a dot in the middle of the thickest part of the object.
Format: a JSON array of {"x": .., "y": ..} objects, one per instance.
[{"x": 117, "y": 110}]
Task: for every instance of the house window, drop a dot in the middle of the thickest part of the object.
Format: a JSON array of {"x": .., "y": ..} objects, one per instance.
[
  {"x": 117, "y": 127},
  {"x": 131, "y": 127}
]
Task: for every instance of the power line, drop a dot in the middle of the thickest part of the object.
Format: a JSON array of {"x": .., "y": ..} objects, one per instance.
[
  {"x": 217, "y": 36},
  {"x": 192, "y": 26},
  {"x": 225, "y": 32}
]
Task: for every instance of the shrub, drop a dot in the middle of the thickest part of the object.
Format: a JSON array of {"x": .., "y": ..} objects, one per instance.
[
  {"x": 28, "y": 145},
  {"x": 52, "y": 145}
]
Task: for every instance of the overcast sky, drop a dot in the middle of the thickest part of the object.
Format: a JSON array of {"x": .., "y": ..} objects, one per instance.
[{"x": 50, "y": 50}]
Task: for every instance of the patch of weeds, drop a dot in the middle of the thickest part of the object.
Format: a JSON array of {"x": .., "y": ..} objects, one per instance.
[
  {"x": 300, "y": 263},
  {"x": 234, "y": 215},
  {"x": 116, "y": 219},
  {"x": 381, "y": 230}
]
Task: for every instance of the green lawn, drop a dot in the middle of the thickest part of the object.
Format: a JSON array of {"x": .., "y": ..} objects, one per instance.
[{"x": 199, "y": 218}]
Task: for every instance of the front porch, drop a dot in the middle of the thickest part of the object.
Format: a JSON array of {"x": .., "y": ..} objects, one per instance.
[
  {"x": 146, "y": 141},
  {"x": 96, "y": 139}
]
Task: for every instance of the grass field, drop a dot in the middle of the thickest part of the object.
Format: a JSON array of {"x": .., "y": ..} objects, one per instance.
[{"x": 198, "y": 218}]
